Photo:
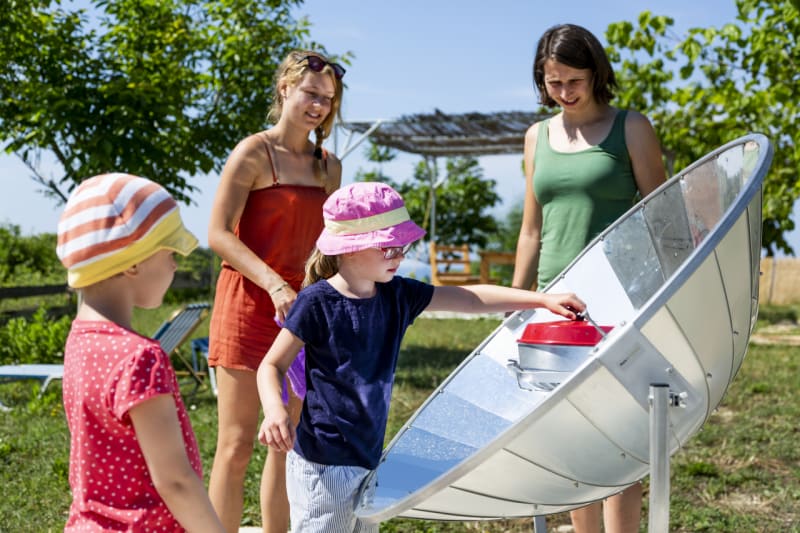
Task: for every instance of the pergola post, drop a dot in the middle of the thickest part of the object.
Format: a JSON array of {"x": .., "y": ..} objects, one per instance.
[{"x": 433, "y": 173}]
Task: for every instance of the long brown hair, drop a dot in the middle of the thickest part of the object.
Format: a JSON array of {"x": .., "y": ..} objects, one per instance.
[
  {"x": 320, "y": 266},
  {"x": 291, "y": 71}
]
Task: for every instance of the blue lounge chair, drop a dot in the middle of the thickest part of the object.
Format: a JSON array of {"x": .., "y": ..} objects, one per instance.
[
  {"x": 176, "y": 330},
  {"x": 200, "y": 353},
  {"x": 45, "y": 373}
]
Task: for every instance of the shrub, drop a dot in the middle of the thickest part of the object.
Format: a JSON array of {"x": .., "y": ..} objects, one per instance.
[
  {"x": 28, "y": 260},
  {"x": 35, "y": 340},
  {"x": 195, "y": 278}
]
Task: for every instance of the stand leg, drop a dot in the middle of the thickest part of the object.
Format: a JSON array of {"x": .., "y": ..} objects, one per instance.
[
  {"x": 658, "y": 519},
  {"x": 539, "y": 524}
]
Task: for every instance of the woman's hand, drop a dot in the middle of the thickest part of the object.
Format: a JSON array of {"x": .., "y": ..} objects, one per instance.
[{"x": 282, "y": 300}]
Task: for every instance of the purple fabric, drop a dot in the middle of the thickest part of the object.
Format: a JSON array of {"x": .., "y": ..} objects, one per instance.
[
  {"x": 297, "y": 377},
  {"x": 296, "y": 374}
]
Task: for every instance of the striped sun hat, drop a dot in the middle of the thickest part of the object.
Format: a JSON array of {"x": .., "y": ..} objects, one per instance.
[{"x": 114, "y": 221}]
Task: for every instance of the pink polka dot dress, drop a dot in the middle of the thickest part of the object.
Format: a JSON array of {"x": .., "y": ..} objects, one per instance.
[{"x": 107, "y": 371}]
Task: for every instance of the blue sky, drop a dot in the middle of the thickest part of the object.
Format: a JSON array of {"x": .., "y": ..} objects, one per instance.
[{"x": 412, "y": 57}]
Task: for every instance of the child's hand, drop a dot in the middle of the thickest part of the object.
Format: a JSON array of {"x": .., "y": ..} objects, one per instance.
[
  {"x": 566, "y": 305},
  {"x": 277, "y": 430}
]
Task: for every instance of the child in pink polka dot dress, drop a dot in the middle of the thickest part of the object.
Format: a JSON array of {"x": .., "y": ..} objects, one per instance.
[{"x": 134, "y": 460}]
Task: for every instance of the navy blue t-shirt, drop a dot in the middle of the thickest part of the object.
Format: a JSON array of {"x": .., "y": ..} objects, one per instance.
[{"x": 351, "y": 348}]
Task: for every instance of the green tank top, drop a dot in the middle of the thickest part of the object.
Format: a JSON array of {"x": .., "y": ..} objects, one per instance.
[{"x": 580, "y": 194}]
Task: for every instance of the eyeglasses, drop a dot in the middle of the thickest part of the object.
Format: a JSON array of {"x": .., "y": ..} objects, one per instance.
[
  {"x": 316, "y": 64},
  {"x": 393, "y": 252}
]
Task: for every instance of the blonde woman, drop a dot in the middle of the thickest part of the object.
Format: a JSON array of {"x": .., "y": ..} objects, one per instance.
[{"x": 266, "y": 215}]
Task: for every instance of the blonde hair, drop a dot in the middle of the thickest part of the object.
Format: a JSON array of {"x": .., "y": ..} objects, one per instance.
[
  {"x": 320, "y": 266},
  {"x": 291, "y": 71}
]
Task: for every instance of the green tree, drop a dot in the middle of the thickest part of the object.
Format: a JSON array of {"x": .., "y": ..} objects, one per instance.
[
  {"x": 158, "y": 88},
  {"x": 463, "y": 200},
  {"x": 379, "y": 154},
  {"x": 508, "y": 230},
  {"x": 713, "y": 85}
]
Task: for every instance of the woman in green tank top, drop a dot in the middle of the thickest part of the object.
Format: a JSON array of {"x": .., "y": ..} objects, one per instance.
[{"x": 584, "y": 168}]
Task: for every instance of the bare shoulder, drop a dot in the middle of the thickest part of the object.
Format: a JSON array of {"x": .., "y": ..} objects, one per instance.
[
  {"x": 247, "y": 162},
  {"x": 249, "y": 151},
  {"x": 531, "y": 138},
  {"x": 636, "y": 122},
  {"x": 532, "y": 133},
  {"x": 334, "y": 173},
  {"x": 530, "y": 147},
  {"x": 639, "y": 131},
  {"x": 253, "y": 145},
  {"x": 333, "y": 161}
]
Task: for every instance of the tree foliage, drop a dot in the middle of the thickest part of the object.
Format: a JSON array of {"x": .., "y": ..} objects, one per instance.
[
  {"x": 728, "y": 82},
  {"x": 464, "y": 197},
  {"x": 158, "y": 88},
  {"x": 505, "y": 239},
  {"x": 463, "y": 201}
]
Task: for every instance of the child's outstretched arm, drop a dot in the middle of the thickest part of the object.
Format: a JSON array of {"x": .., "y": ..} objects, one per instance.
[
  {"x": 493, "y": 298},
  {"x": 158, "y": 431},
  {"x": 277, "y": 430}
]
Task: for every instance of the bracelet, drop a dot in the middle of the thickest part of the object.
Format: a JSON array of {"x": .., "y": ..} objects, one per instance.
[{"x": 273, "y": 292}]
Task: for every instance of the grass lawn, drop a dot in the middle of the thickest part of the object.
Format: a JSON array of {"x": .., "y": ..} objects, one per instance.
[{"x": 741, "y": 472}]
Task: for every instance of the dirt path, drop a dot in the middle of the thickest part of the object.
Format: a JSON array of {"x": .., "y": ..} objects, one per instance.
[
  {"x": 783, "y": 340},
  {"x": 782, "y": 334}
]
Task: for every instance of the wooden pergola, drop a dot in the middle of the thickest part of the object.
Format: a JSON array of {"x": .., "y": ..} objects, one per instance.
[
  {"x": 449, "y": 135},
  {"x": 440, "y": 134}
]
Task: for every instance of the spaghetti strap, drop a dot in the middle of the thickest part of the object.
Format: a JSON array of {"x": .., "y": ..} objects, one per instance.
[{"x": 275, "y": 180}]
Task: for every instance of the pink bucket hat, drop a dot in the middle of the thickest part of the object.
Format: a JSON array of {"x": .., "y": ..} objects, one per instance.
[{"x": 365, "y": 215}]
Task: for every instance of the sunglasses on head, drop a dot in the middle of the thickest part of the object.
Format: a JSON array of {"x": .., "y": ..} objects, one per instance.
[
  {"x": 392, "y": 252},
  {"x": 316, "y": 64}
]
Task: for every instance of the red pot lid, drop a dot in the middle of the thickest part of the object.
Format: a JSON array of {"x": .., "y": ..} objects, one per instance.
[{"x": 568, "y": 332}]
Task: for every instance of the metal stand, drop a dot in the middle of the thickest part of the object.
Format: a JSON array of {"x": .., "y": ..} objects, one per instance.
[
  {"x": 661, "y": 399},
  {"x": 658, "y": 519}
]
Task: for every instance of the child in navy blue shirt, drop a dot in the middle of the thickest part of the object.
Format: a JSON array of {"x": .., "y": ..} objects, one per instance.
[{"x": 351, "y": 318}]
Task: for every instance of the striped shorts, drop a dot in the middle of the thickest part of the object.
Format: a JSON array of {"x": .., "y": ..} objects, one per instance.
[{"x": 322, "y": 498}]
